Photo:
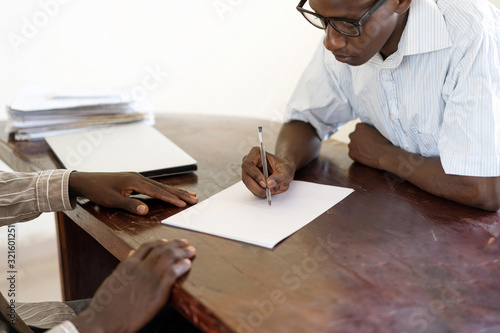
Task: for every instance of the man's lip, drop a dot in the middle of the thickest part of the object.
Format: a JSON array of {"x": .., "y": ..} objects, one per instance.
[{"x": 342, "y": 58}]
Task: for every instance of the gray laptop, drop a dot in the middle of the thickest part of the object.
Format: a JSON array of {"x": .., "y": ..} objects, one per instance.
[{"x": 133, "y": 147}]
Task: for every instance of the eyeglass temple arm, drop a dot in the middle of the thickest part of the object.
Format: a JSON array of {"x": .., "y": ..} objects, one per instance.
[
  {"x": 301, "y": 3},
  {"x": 371, "y": 11}
]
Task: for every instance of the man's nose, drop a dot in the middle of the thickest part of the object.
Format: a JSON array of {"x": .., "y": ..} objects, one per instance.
[{"x": 334, "y": 40}]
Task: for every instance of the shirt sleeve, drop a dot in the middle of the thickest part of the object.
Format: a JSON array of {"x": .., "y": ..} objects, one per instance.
[
  {"x": 24, "y": 196},
  {"x": 469, "y": 140},
  {"x": 65, "y": 327},
  {"x": 318, "y": 98}
]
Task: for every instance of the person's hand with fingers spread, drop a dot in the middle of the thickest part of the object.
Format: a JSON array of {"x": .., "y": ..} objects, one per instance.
[
  {"x": 114, "y": 190},
  {"x": 137, "y": 289}
]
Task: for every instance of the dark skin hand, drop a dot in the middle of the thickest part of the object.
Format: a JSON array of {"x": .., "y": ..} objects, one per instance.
[
  {"x": 297, "y": 145},
  {"x": 370, "y": 148},
  {"x": 137, "y": 289},
  {"x": 114, "y": 190}
]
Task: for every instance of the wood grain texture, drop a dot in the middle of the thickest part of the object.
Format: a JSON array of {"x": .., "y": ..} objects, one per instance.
[{"x": 388, "y": 258}]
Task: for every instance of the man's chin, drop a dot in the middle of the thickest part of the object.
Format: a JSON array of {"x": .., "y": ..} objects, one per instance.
[{"x": 351, "y": 60}]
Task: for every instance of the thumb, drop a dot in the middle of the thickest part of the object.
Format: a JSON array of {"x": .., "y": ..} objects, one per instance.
[
  {"x": 134, "y": 206},
  {"x": 276, "y": 179},
  {"x": 279, "y": 179}
]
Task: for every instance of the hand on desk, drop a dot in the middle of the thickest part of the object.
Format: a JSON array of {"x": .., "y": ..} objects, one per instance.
[
  {"x": 137, "y": 288},
  {"x": 370, "y": 148},
  {"x": 367, "y": 145},
  {"x": 114, "y": 190},
  {"x": 281, "y": 173}
]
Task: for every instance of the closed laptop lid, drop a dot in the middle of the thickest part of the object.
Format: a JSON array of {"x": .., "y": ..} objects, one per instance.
[{"x": 133, "y": 147}]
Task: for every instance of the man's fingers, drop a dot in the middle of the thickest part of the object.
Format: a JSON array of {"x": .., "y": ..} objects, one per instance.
[
  {"x": 158, "y": 193},
  {"x": 252, "y": 176},
  {"x": 254, "y": 187},
  {"x": 133, "y": 205},
  {"x": 277, "y": 180},
  {"x": 251, "y": 169},
  {"x": 173, "y": 272},
  {"x": 173, "y": 250},
  {"x": 165, "y": 193},
  {"x": 186, "y": 196},
  {"x": 181, "y": 267},
  {"x": 163, "y": 256},
  {"x": 161, "y": 259},
  {"x": 280, "y": 189},
  {"x": 177, "y": 243},
  {"x": 145, "y": 249},
  {"x": 110, "y": 189}
]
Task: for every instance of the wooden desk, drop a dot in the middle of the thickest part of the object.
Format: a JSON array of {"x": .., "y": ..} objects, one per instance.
[{"x": 389, "y": 258}]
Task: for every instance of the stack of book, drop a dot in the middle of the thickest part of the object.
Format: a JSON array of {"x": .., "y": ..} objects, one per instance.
[{"x": 39, "y": 111}]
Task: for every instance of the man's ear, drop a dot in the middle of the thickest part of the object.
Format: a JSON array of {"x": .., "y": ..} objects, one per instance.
[{"x": 402, "y": 6}]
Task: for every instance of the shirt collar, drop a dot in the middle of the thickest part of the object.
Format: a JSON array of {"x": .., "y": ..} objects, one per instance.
[{"x": 425, "y": 31}]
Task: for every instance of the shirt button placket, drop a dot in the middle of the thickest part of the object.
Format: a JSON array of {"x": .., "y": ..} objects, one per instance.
[{"x": 392, "y": 103}]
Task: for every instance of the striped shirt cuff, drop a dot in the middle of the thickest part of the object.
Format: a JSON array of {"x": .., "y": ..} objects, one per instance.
[
  {"x": 52, "y": 191},
  {"x": 65, "y": 327},
  {"x": 474, "y": 166}
]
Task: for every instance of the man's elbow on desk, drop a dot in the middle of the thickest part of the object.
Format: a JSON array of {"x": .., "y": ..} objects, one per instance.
[
  {"x": 429, "y": 175},
  {"x": 484, "y": 193},
  {"x": 479, "y": 192}
]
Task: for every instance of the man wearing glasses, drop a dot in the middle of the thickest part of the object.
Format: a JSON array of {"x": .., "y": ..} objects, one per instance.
[{"x": 423, "y": 76}]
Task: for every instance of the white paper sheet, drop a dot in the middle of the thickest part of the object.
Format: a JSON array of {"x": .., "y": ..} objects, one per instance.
[{"x": 235, "y": 213}]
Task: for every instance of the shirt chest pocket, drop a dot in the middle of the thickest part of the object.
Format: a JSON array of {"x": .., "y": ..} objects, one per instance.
[{"x": 425, "y": 127}]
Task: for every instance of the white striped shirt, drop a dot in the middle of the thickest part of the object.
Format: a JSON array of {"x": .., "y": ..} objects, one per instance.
[
  {"x": 53, "y": 316},
  {"x": 437, "y": 95},
  {"x": 25, "y": 195}
]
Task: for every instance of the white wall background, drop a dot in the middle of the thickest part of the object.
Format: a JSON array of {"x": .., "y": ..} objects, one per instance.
[{"x": 233, "y": 57}]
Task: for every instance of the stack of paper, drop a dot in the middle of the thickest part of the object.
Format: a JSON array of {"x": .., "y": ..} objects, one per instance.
[{"x": 39, "y": 111}]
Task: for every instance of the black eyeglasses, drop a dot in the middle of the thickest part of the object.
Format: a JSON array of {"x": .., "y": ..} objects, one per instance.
[{"x": 347, "y": 27}]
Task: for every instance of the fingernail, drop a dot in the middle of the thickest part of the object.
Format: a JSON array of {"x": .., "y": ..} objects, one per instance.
[
  {"x": 142, "y": 209},
  {"x": 164, "y": 240},
  {"x": 262, "y": 184},
  {"x": 271, "y": 183},
  {"x": 193, "y": 194},
  {"x": 191, "y": 249}
]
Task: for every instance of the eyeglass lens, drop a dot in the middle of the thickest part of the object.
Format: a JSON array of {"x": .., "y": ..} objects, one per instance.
[
  {"x": 345, "y": 27},
  {"x": 314, "y": 20}
]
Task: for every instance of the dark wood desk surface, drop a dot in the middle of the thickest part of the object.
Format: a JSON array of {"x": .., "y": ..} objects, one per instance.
[{"x": 389, "y": 258}]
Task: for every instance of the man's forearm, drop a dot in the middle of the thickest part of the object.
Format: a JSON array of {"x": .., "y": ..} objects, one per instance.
[
  {"x": 429, "y": 175},
  {"x": 298, "y": 143}
]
